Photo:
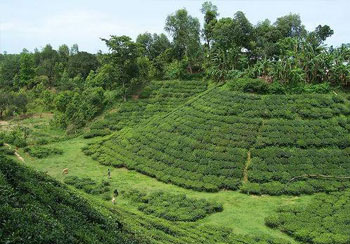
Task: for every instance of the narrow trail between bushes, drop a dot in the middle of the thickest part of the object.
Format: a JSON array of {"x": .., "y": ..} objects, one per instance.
[
  {"x": 249, "y": 156},
  {"x": 245, "y": 172},
  {"x": 19, "y": 157}
]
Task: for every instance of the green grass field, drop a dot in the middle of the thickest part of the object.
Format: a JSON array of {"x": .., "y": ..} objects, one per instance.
[{"x": 242, "y": 213}]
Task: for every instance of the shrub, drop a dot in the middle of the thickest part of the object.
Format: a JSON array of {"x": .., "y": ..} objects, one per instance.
[
  {"x": 96, "y": 133},
  {"x": 88, "y": 185},
  {"x": 173, "y": 207},
  {"x": 42, "y": 152},
  {"x": 277, "y": 88},
  {"x": 324, "y": 220},
  {"x": 38, "y": 209},
  {"x": 258, "y": 86}
]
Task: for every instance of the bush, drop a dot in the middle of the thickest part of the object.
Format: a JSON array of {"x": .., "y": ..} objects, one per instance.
[
  {"x": 38, "y": 209},
  {"x": 42, "y": 152},
  {"x": 272, "y": 221},
  {"x": 325, "y": 219},
  {"x": 258, "y": 86},
  {"x": 88, "y": 185},
  {"x": 277, "y": 88},
  {"x": 173, "y": 207},
  {"x": 96, "y": 133}
]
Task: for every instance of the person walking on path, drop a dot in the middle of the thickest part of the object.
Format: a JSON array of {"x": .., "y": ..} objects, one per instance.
[{"x": 109, "y": 173}]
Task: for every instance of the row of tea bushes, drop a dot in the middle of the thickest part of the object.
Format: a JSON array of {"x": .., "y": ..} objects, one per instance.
[
  {"x": 303, "y": 134},
  {"x": 42, "y": 152},
  {"x": 159, "y": 98},
  {"x": 325, "y": 220},
  {"x": 204, "y": 144},
  {"x": 173, "y": 207},
  {"x": 35, "y": 209},
  {"x": 277, "y": 171},
  {"x": 90, "y": 186}
]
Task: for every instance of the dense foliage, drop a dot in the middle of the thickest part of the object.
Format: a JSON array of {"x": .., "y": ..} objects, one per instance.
[
  {"x": 37, "y": 209},
  {"x": 78, "y": 85},
  {"x": 173, "y": 207},
  {"x": 325, "y": 220}
]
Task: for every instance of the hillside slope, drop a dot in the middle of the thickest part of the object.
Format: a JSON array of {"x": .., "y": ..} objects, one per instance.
[
  {"x": 37, "y": 209},
  {"x": 297, "y": 143},
  {"x": 159, "y": 98}
]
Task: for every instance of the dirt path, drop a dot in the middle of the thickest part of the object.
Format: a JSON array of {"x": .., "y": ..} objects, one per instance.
[
  {"x": 245, "y": 172},
  {"x": 3, "y": 123},
  {"x": 16, "y": 153}
]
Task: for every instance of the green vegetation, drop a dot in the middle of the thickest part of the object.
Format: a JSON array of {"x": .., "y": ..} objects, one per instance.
[
  {"x": 89, "y": 186},
  {"x": 204, "y": 144},
  {"x": 173, "y": 207},
  {"x": 159, "y": 97},
  {"x": 215, "y": 142},
  {"x": 242, "y": 217},
  {"x": 37, "y": 209},
  {"x": 42, "y": 152},
  {"x": 325, "y": 220}
]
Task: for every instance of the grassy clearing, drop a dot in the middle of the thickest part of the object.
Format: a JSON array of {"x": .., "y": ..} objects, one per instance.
[{"x": 243, "y": 213}]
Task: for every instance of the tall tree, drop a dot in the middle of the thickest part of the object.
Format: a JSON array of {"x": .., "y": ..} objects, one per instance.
[
  {"x": 48, "y": 58},
  {"x": 123, "y": 56},
  {"x": 27, "y": 71},
  {"x": 81, "y": 63},
  {"x": 185, "y": 31},
  {"x": 290, "y": 26},
  {"x": 210, "y": 12}
]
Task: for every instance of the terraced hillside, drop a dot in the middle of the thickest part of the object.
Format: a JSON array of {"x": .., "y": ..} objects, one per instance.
[
  {"x": 223, "y": 139},
  {"x": 160, "y": 97},
  {"x": 34, "y": 208}
]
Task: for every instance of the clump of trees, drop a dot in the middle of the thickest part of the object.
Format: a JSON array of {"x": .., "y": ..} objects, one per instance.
[{"x": 222, "y": 49}]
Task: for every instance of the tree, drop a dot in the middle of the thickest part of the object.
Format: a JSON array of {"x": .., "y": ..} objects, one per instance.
[
  {"x": 12, "y": 103},
  {"x": 210, "y": 12},
  {"x": 63, "y": 52},
  {"x": 74, "y": 49},
  {"x": 154, "y": 44},
  {"x": 123, "y": 57},
  {"x": 9, "y": 68},
  {"x": 81, "y": 63},
  {"x": 26, "y": 72},
  {"x": 185, "y": 31},
  {"x": 290, "y": 26},
  {"x": 47, "y": 60}
]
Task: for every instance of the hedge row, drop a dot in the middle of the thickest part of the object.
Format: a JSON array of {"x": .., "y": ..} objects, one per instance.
[
  {"x": 37, "y": 209},
  {"x": 173, "y": 207},
  {"x": 159, "y": 98},
  {"x": 277, "y": 171},
  {"x": 325, "y": 220},
  {"x": 204, "y": 144},
  {"x": 303, "y": 134},
  {"x": 42, "y": 152},
  {"x": 90, "y": 186}
]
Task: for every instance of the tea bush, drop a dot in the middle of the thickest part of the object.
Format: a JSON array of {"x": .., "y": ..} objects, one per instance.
[
  {"x": 325, "y": 220},
  {"x": 173, "y": 207},
  {"x": 204, "y": 144},
  {"x": 89, "y": 186},
  {"x": 43, "y": 152},
  {"x": 35, "y": 209}
]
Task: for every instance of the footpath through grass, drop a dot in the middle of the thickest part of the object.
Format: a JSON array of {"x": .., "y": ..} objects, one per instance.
[{"x": 243, "y": 213}]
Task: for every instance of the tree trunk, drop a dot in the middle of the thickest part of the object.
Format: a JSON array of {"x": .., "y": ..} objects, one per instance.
[
  {"x": 190, "y": 68},
  {"x": 124, "y": 97}
]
